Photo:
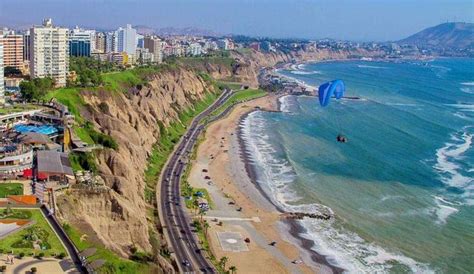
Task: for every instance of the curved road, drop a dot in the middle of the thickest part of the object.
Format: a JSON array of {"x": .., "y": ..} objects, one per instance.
[{"x": 173, "y": 213}]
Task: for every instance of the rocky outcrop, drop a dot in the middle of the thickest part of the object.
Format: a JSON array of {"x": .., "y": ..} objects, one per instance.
[{"x": 118, "y": 217}]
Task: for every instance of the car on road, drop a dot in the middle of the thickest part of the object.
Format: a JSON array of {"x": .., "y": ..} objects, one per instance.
[{"x": 186, "y": 263}]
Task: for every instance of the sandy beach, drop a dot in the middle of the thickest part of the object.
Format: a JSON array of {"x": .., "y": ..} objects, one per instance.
[{"x": 219, "y": 156}]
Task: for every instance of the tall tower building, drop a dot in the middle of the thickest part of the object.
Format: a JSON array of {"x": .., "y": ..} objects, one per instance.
[
  {"x": 127, "y": 40},
  {"x": 49, "y": 52},
  {"x": 2, "y": 81},
  {"x": 26, "y": 46},
  {"x": 81, "y": 42},
  {"x": 155, "y": 46},
  {"x": 100, "y": 42},
  {"x": 13, "y": 50},
  {"x": 111, "y": 42}
]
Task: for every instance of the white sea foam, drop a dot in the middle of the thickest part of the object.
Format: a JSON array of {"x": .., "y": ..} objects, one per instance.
[
  {"x": 284, "y": 103},
  {"x": 276, "y": 176},
  {"x": 463, "y": 107},
  {"x": 444, "y": 209},
  {"x": 347, "y": 250},
  {"x": 460, "y": 115},
  {"x": 303, "y": 72},
  {"x": 448, "y": 166},
  {"x": 403, "y": 105},
  {"x": 371, "y": 67},
  {"x": 467, "y": 83},
  {"x": 468, "y": 90}
]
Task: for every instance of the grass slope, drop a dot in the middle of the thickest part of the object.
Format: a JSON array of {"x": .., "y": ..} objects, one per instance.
[
  {"x": 10, "y": 189},
  {"x": 113, "y": 264},
  {"x": 55, "y": 246}
]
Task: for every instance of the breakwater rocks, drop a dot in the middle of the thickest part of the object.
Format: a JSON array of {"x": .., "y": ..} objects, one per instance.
[{"x": 301, "y": 215}]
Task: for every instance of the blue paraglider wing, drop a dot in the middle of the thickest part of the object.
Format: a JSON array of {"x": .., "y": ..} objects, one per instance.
[{"x": 327, "y": 90}]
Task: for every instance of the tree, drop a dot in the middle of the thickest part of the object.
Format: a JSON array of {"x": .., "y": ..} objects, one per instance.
[
  {"x": 206, "y": 226},
  {"x": 223, "y": 261},
  {"x": 36, "y": 88},
  {"x": 12, "y": 71},
  {"x": 233, "y": 269}
]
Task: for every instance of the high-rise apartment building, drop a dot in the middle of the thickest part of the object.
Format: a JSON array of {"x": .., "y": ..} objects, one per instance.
[
  {"x": 100, "y": 42},
  {"x": 111, "y": 42},
  {"x": 81, "y": 42},
  {"x": 155, "y": 46},
  {"x": 127, "y": 40},
  {"x": 26, "y": 46},
  {"x": 13, "y": 50},
  {"x": 49, "y": 52},
  {"x": 2, "y": 81}
]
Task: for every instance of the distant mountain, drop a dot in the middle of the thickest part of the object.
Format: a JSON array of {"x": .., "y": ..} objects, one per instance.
[
  {"x": 145, "y": 30},
  {"x": 447, "y": 35}
]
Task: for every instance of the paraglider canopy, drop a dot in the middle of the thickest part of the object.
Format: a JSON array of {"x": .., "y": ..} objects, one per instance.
[{"x": 335, "y": 88}]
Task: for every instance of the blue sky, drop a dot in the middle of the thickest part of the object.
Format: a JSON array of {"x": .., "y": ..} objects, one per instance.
[{"x": 360, "y": 20}]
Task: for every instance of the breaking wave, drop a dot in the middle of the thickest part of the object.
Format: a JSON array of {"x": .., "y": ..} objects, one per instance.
[{"x": 276, "y": 176}]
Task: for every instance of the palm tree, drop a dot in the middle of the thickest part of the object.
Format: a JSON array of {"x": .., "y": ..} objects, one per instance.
[
  {"x": 223, "y": 261},
  {"x": 196, "y": 206},
  {"x": 206, "y": 226},
  {"x": 233, "y": 269},
  {"x": 202, "y": 213}
]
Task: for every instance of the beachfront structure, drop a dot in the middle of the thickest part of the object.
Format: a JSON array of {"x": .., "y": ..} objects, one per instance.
[
  {"x": 13, "y": 50},
  {"x": 81, "y": 42},
  {"x": 49, "y": 52},
  {"x": 154, "y": 46},
  {"x": 2, "y": 82},
  {"x": 127, "y": 40}
]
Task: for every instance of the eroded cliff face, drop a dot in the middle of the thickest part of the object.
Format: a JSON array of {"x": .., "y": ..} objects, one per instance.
[{"x": 118, "y": 216}]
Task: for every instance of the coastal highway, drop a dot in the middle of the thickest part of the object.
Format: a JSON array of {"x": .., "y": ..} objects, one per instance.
[{"x": 173, "y": 213}]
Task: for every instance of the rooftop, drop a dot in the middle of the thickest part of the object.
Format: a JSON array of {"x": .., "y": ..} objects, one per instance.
[{"x": 54, "y": 162}]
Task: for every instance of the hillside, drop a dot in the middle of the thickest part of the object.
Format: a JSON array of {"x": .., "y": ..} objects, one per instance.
[{"x": 447, "y": 35}]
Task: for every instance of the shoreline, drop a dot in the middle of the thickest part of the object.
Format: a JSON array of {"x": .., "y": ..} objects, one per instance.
[{"x": 294, "y": 229}]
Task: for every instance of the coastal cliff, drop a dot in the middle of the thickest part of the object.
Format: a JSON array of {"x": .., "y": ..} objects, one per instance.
[
  {"x": 136, "y": 117},
  {"x": 120, "y": 216},
  {"x": 248, "y": 63}
]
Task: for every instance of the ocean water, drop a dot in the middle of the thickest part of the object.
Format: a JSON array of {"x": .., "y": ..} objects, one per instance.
[{"x": 402, "y": 188}]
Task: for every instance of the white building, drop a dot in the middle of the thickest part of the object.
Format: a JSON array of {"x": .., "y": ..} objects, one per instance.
[
  {"x": 49, "y": 52},
  {"x": 194, "y": 49},
  {"x": 111, "y": 42},
  {"x": 127, "y": 40},
  {"x": 2, "y": 82},
  {"x": 223, "y": 44}
]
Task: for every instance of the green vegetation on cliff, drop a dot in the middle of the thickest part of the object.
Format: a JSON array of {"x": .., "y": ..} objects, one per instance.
[
  {"x": 113, "y": 263},
  {"x": 169, "y": 137},
  {"x": 39, "y": 232},
  {"x": 238, "y": 97}
]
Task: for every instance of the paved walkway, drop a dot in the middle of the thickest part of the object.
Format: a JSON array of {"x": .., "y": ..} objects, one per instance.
[
  {"x": 253, "y": 219},
  {"x": 47, "y": 265}
]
